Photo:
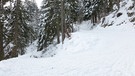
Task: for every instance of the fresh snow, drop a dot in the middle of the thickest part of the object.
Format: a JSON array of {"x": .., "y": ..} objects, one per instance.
[
  {"x": 100, "y": 52},
  {"x": 108, "y": 51},
  {"x": 38, "y": 2}
]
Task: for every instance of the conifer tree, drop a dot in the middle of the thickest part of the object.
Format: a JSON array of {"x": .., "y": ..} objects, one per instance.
[
  {"x": 72, "y": 7},
  {"x": 72, "y": 12},
  {"x": 32, "y": 9},
  {"x": 2, "y": 28},
  {"x": 95, "y": 9},
  {"x": 50, "y": 23},
  {"x": 20, "y": 30},
  {"x": 57, "y": 17}
]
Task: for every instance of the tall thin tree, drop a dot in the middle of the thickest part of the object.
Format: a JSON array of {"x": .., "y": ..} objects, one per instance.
[
  {"x": 1, "y": 31},
  {"x": 62, "y": 20}
]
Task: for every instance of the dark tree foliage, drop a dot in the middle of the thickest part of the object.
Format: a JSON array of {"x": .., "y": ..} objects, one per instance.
[
  {"x": 32, "y": 9},
  {"x": 95, "y": 9},
  {"x": 17, "y": 31},
  {"x": 50, "y": 23},
  {"x": 2, "y": 16}
]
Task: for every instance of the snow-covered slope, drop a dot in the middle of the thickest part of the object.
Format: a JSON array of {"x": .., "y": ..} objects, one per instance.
[
  {"x": 123, "y": 15},
  {"x": 100, "y": 52}
]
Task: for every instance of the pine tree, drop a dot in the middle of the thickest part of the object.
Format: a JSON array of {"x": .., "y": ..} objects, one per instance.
[
  {"x": 50, "y": 22},
  {"x": 87, "y": 9},
  {"x": 72, "y": 12},
  {"x": 73, "y": 9},
  {"x": 2, "y": 28},
  {"x": 57, "y": 17},
  {"x": 93, "y": 7},
  {"x": 20, "y": 31},
  {"x": 33, "y": 10}
]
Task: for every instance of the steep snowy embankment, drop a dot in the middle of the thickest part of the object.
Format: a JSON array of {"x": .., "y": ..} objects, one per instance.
[{"x": 101, "y": 52}]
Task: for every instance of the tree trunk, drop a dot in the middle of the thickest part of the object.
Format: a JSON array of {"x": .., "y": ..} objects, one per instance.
[
  {"x": 1, "y": 32},
  {"x": 58, "y": 34},
  {"x": 62, "y": 20},
  {"x": 1, "y": 42},
  {"x": 16, "y": 32}
]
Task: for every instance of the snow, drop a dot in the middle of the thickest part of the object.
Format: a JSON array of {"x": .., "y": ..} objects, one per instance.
[
  {"x": 102, "y": 51},
  {"x": 38, "y": 2},
  {"x": 112, "y": 18}
]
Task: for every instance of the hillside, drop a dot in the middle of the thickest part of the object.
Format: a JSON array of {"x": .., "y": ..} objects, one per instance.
[
  {"x": 100, "y": 52},
  {"x": 103, "y": 51}
]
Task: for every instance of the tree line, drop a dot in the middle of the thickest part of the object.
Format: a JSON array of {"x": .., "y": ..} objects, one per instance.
[
  {"x": 17, "y": 27},
  {"x": 21, "y": 23}
]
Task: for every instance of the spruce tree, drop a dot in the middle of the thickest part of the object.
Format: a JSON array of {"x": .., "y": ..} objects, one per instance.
[
  {"x": 50, "y": 23},
  {"x": 33, "y": 10},
  {"x": 20, "y": 31},
  {"x": 2, "y": 28},
  {"x": 72, "y": 12},
  {"x": 87, "y": 9},
  {"x": 57, "y": 17}
]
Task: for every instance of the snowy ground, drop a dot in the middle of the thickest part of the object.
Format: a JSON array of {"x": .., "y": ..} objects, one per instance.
[{"x": 106, "y": 51}]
